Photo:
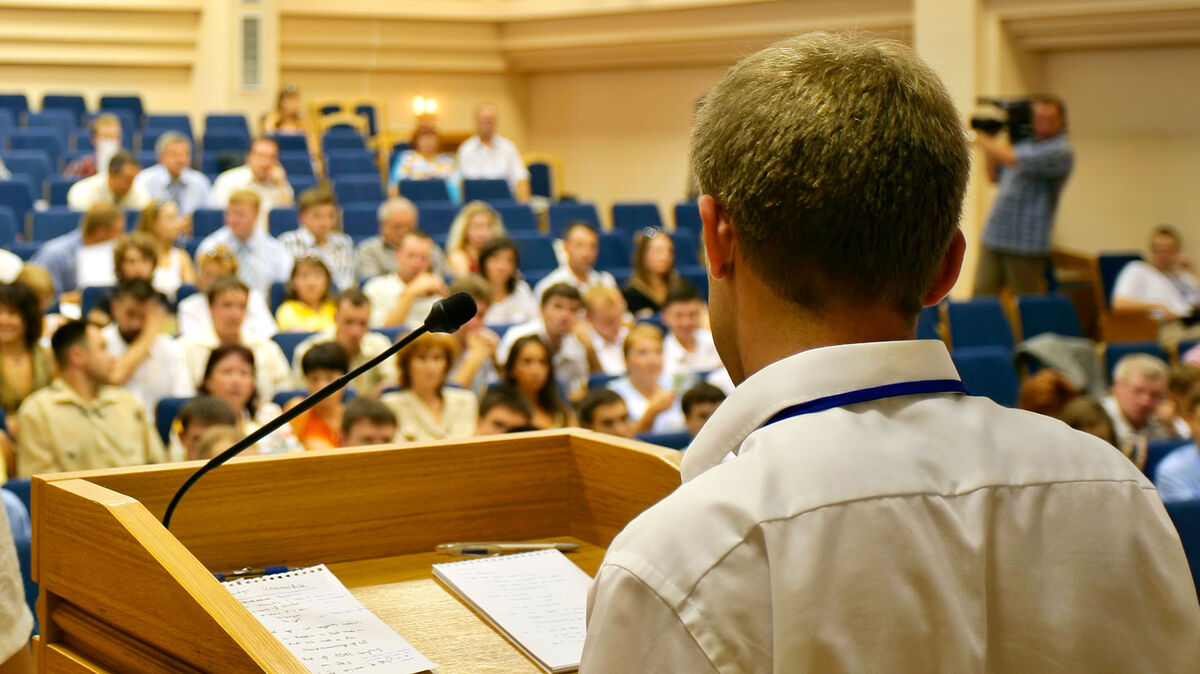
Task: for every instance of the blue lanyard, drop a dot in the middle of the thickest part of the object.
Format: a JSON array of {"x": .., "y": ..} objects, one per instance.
[{"x": 866, "y": 395}]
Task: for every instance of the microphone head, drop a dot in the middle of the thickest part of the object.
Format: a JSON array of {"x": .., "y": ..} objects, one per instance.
[{"x": 449, "y": 314}]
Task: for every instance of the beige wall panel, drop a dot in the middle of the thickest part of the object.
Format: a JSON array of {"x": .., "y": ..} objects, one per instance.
[
  {"x": 162, "y": 89},
  {"x": 1134, "y": 126}
]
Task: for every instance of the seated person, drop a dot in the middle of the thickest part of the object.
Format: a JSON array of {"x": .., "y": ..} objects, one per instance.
[
  {"x": 173, "y": 180},
  {"x": 698, "y": 404},
  {"x": 503, "y": 410},
  {"x": 1046, "y": 392},
  {"x": 192, "y": 314},
  {"x": 149, "y": 363},
  {"x": 37, "y": 278},
  {"x": 581, "y": 244},
  {"x": 309, "y": 305},
  {"x": 1165, "y": 286},
  {"x": 217, "y": 439},
  {"x": 512, "y": 298},
  {"x": 529, "y": 370},
  {"x": 351, "y": 333},
  {"x": 366, "y": 421},
  {"x": 606, "y": 328},
  {"x": 134, "y": 259},
  {"x": 1183, "y": 380},
  {"x": 475, "y": 225},
  {"x": 262, "y": 261},
  {"x": 688, "y": 348},
  {"x": 427, "y": 409},
  {"x": 376, "y": 256},
  {"x": 164, "y": 224},
  {"x": 287, "y": 119},
  {"x": 1178, "y": 474},
  {"x": 263, "y": 175},
  {"x": 1138, "y": 392},
  {"x": 114, "y": 186},
  {"x": 197, "y": 416},
  {"x": 229, "y": 375},
  {"x": 79, "y": 421},
  {"x": 475, "y": 369},
  {"x": 106, "y": 142},
  {"x": 318, "y": 427},
  {"x": 654, "y": 273},
  {"x": 653, "y": 405},
  {"x": 317, "y": 236},
  {"x": 557, "y": 327},
  {"x": 604, "y": 411},
  {"x": 424, "y": 160},
  {"x": 101, "y": 224},
  {"x": 489, "y": 156},
  {"x": 405, "y": 297},
  {"x": 25, "y": 365},
  {"x": 1085, "y": 413}
]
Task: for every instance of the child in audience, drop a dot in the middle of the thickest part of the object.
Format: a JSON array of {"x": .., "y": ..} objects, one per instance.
[
  {"x": 161, "y": 221},
  {"x": 194, "y": 318},
  {"x": 197, "y": 416},
  {"x": 229, "y": 375},
  {"x": 427, "y": 409},
  {"x": 310, "y": 304},
  {"x": 476, "y": 224},
  {"x": 318, "y": 427},
  {"x": 512, "y": 298},
  {"x": 605, "y": 411},
  {"x": 654, "y": 273},
  {"x": 1178, "y": 474},
  {"x": 218, "y": 439},
  {"x": 529, "y": 371},
  {"x": 366, "y": 421},
  {"x": 653, "y": 405},
  {"x": 503, "y": 410},
  {"x": 698, "y": 404},
  {"x": 688, "y": 348}
]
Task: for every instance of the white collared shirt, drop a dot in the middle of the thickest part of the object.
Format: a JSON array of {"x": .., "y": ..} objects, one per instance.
[
  {"x": 929, "y": 533},
  {"x": 678, "y": 360},
  {"x": 94, "y": 190},
  {"x": 163, "y": 373},
  {"x": 1141, "y": 282},
  {"x": 498, "y": 161},
  {"x": 564, "y": 275},
  {"x": 610, "y": 354},
  {"x": 242, "y": 178}
]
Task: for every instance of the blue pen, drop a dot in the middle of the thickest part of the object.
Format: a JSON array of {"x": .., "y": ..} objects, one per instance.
[{"x": 250, "y": 572}]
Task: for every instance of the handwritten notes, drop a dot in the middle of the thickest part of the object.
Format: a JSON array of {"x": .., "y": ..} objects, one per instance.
[
  {"x": 322, "y": 624},
  {"x": 538, "y": 600}
]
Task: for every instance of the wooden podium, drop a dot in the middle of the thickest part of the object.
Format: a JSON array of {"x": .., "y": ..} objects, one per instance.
[{"x": 119, "y": 593}]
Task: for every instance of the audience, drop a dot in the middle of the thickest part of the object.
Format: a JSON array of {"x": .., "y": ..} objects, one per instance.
[
  {"x": 688, "y": 348},
  {"x": 115, "y": 186},
  {"x": 1182, "y": 381},
  {"x": 654, "y": 273},
  {"x": 287, "y": 117},
  {"x": 503, "y": 410},
  {"x": 106, "y": 142},
  {"x": 173, "y": 179},
  {"x": 320, "y": 427},
  {"x": 1178, "y": 474},
  {"x": 309, "y": 305},
  {"x": 10, "y": 266},
  {"x": 316, "y": 236},
  {"x": 350, "y": 331},
  {"x": 475, "y": 369},
  {"x": 698, "y": 404},
  {"x": 606, "y": 328},
  {"x": 475, "y": 225},
  {"x": 25, "y": 366},
  {"x": 229, "y": 374},
  {"x": 1085, "y": 413},
  {"x": 405, "y": 297},
  {"x": 79, "y": 421},
  {"x": 37, "y": 278},
  {"x": 148, "y": 363},
  {"x": 366, "y": 421},
  {"x": 195, "y": 417},
  {"x": 1139, "y": 389},
  {"x": 529, "y": 371},
  {"x": 1164, "y": 286},
  {"x": 1046, "y": 392},
  {"x": 218, "y": 439},
  {"x": 161, "y": 221},
  {"x": 263, "y": 175},
  {"x": 101, "y": 224},
  {"x": 581, "y": 244},
  {"x": 376, "y": 256},
  {"x": 424, "y": 161},
  {"x": 512, "y": 298},
  {"x": 653, "y": 405},
  {"x": 604, "y": 411},
  {"x": 192, "y": 312},
  {"x": 489, "y": 156},
  {"x": 556, "y": 327},
  {"x": 427, "y": 409},
  {"x": 262, "y": 260}
]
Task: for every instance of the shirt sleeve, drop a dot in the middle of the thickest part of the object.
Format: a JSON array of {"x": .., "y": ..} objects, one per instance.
[
  {"x": 1129, "y": 283},
  {"x": 155, "y": 453},
  {"x": 77, "y": 195},
  {"x": 1049, "y": 159},
  {"x": 35, "y": 454},
  {"x": 517, "y": 170},
  {"x": 16, "y": 622}
]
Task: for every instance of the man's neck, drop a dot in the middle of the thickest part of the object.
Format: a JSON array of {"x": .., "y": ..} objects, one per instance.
[
  {"x": 581, "y": 274},
  {"x": 351, "y": 348},
  {"x": 229, "y": 338},
  {"x": 687, "y": 340},
  {"x": 80, "y": 383}
]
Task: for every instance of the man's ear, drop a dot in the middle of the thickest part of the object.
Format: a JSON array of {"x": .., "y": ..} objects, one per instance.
[
  {"x": 718, "y": 237},
  {"x": 948, "y": 271}
]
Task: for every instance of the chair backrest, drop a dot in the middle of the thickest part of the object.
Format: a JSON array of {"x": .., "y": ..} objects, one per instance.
[
  {"x": 614, "y": 250},
  {"x": 988, "y": 371},
  {"x": 54, "y": 221},
  {"x": 18, "y": 104},
  {"x": 25, "y": 249},
  {"x": 1186, "y": 517},
  {"x": 1048, "y": 314},
  {"x": 367, "y": 111},
  {"x": 291, "y": 142},
  {"x": 62, "y": 121},
  {"x": 486, "y": 190},
  {"x": 162, "y": 123},
  {"x": 537, "y": 252},
  {"x": 342, "y": 139},
  {"x": 226, "y": 140},
  {"x": 185, "y": 291},
  {"x": 205, "y": 221},
  {"x": 41, "y": 138},
  {"x": 288, "y": 341},
  {"x": 541, "y": 179},
  {"x": 927, "y": 323},
  {"x": 91, "y": 296},
  {"x": 358, "y": 189},
  {"x": 164, "y": 416},
  {"x": 296, "y": 164},
  {"x": 360, "y": 221},
  {"x": 17, "y": 193},
  {"x": 634, "y": 217},
  {"x": 339, "y": 163},
  {"x": 282, "y": 219},
  {"x": 8, "y": 227},
  {"x": 435, "y": 219},
  {"x": 687, "y": 247},
  {"x": 73, "y": 103},
  {"x": 8, "y": 122},
  {"x": 59, "y": 186},
  {"x": 276, "y": 296},
  {"x": 687, "y": 214},
  {"x": 979, "y": 322},
  {"x": 1111, "y": 265},
  {"x": 33, "y": 163},
  {"x": 679, "y": 440},
  {"x": 301, "y": 183},
  {"x": 1157, "y": 450},
  {"x": 1115, "y": 351},
  {"x": 565, "y": 213},
  {"x": 421, "y": 191},
  {"x": 130, "y": 103},
  {"x": 284, "y": 397},
  {"x": 517, "y": 217},
  {"x": 227, "y": 121}
]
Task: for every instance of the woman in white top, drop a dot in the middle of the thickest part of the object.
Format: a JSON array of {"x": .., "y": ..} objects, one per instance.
[
  {"x": 229, "y": 376},
  {"x": 512, "y": 298},
  {"x": 653, "y": 406},
  {"x": 474, "y": 226},
  {"x": 427, "y": 409},
  {"x": 161, "y": 220}
]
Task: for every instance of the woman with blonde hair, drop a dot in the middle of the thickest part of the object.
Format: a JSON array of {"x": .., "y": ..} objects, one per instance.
[
  {"x": 476, "y": 224},
  {"x": 654, "y": 274},
  {"x": 161, "y": 221},
  {"x": 427, "y": 409},
  {"x": 653, "y": 406}
]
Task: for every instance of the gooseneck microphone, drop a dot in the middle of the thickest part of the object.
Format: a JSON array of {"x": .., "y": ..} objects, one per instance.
[{"x": 447, "y": 315}]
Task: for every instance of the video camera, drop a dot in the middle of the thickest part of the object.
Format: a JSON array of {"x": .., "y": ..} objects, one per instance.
[{"x": 1014, "y": 115}]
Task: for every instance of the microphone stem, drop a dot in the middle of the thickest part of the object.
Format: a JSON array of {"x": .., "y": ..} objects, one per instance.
[{"x": 304, "y": 405}]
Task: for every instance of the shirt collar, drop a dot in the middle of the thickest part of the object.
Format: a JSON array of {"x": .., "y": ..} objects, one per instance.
[
  {"x": 806, "y": 376},
  {"x": 62, "y": 393}
]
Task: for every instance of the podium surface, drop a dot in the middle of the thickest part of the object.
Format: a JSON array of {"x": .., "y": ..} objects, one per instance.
[{"x": 121, "y": 593}]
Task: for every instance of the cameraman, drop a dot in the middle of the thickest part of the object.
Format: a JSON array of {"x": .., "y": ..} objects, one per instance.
[{"x": 1031, "y": 174}]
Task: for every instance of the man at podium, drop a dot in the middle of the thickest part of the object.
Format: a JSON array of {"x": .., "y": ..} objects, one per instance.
[{"x": 850, "y": 508}]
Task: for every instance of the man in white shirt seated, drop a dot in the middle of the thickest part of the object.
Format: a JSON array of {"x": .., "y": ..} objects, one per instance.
[
  {"x": 149, "y": 364},
  {"x": 318, "y": 235},
  {"x": 262, "y": 174},
  {"x": 191, "y": 314},
  {"x": 605, "y": 320},
  {"x": 1139, "y": 391},
  {"x": 262, "y": 260},
  {"x": 227, "y": 300},
  {"x": 351, "y": 332},
  {"x": 581, "y": 243},
  {"x": 115, "y": 186},
  {"x": 557, "y": 326},
  {"x": 688, "y": 348},
  {"x": 488, "y": 156},
  {"x": 102, "y": 224},
  {"x": 1164, "y": 286},
  {"x": 173, "y": 178},
  {"x": 849, "y": 508},
  {"x": 405, "y": 297}
]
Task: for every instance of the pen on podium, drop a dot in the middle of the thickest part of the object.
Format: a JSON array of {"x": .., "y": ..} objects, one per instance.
[
  {"x": 499, "y": 548},
  {"x": 251, "y": 572}
]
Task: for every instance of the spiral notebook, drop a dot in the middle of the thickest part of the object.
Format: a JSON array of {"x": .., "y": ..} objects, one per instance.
[
  {"x": 537, "y": 600},
  {"x": 324, "y": 626}
]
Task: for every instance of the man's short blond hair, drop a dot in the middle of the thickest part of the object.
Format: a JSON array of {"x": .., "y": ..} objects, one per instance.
[
  {"x": 841, "y": 162},
  {"x": 99, "y": 217},
  {"x": 1144, "y": 364},
  {"x": 247, "y": 197},
  {"x": 599, "y": 295}
]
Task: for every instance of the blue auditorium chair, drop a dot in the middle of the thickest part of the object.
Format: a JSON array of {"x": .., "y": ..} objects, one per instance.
[
  {"x": 422, "y": 191},
  {"x": 687, "y": 214},
  {"x": 565, "y": 213},
  {"x": 517, "y": 217},
  {"x": 397, "y": 149},
  {"x": 43, "y": 138},
  {"x": 80, "y": 140},
  {"x": 1115, "y": 351},
  {"x": 17, "y": 104},
  {"x": 276, "y": 295},
  {"x": 8, "y": 227},
  {"x": 1157, "y": 450},
  {"x": 148, "y": 141},
  {"x": 62, "y": 121},
  {"x": 687, "y": 247},
  {"x": 54, "y": 222},
  {"x": 7, "y": 123},
  {"x": 541, "y": 180},
  {"x": 296, "y": 164},
  {"x": 631, "y": 217},
  {"x": 73, "y": 103},
  {"x": 537, "y": 252},
  {"x": 988, "y": 371},
  {"x": 486, "y": 190},
  {"x": 58, "y": 188},
  {"x": 1111, "y": 265},
  {"x": 600, "y": 380},
  {"x": 205, "y": 221},
  {"x": 222, "y": 140},
  {"x": 33, "y": 163},
  {"x": 1186, "y": 517},
  {"x": 289, "y": 142},
  {"x": 185, "y": 291},
  {"x": 342, "y": 139},
  {"x": 130, "y": 103},
  {"x": 17, "y": 193},
  {"x": 614, "y": 250},
  {"x": 25, "y": 249},
  {"x": 679, "y": 440},
  {"x": 1048, "y": 314},
  {"x": 163, "y": 123},
  {"x": 979, "y": 322},
  {"x": 288, "y": 341},
  {"x": 284, "y": 397},
  {"x": 360, "y": 221},
  {"x": 352, "y": 189},
  {"x": 301, "y": 183},
  {"x": 435, "y": 219},
  {"x": 340, "y": 163},
  {"x": 235, "y": 122},
  {"x": 91, "y": 296},
  {"x": 927, "y": 323},
  {"x": 282, "y": 219},
  {"x": 368, "y": 111},
  {"x": 164, "y": 416}
]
